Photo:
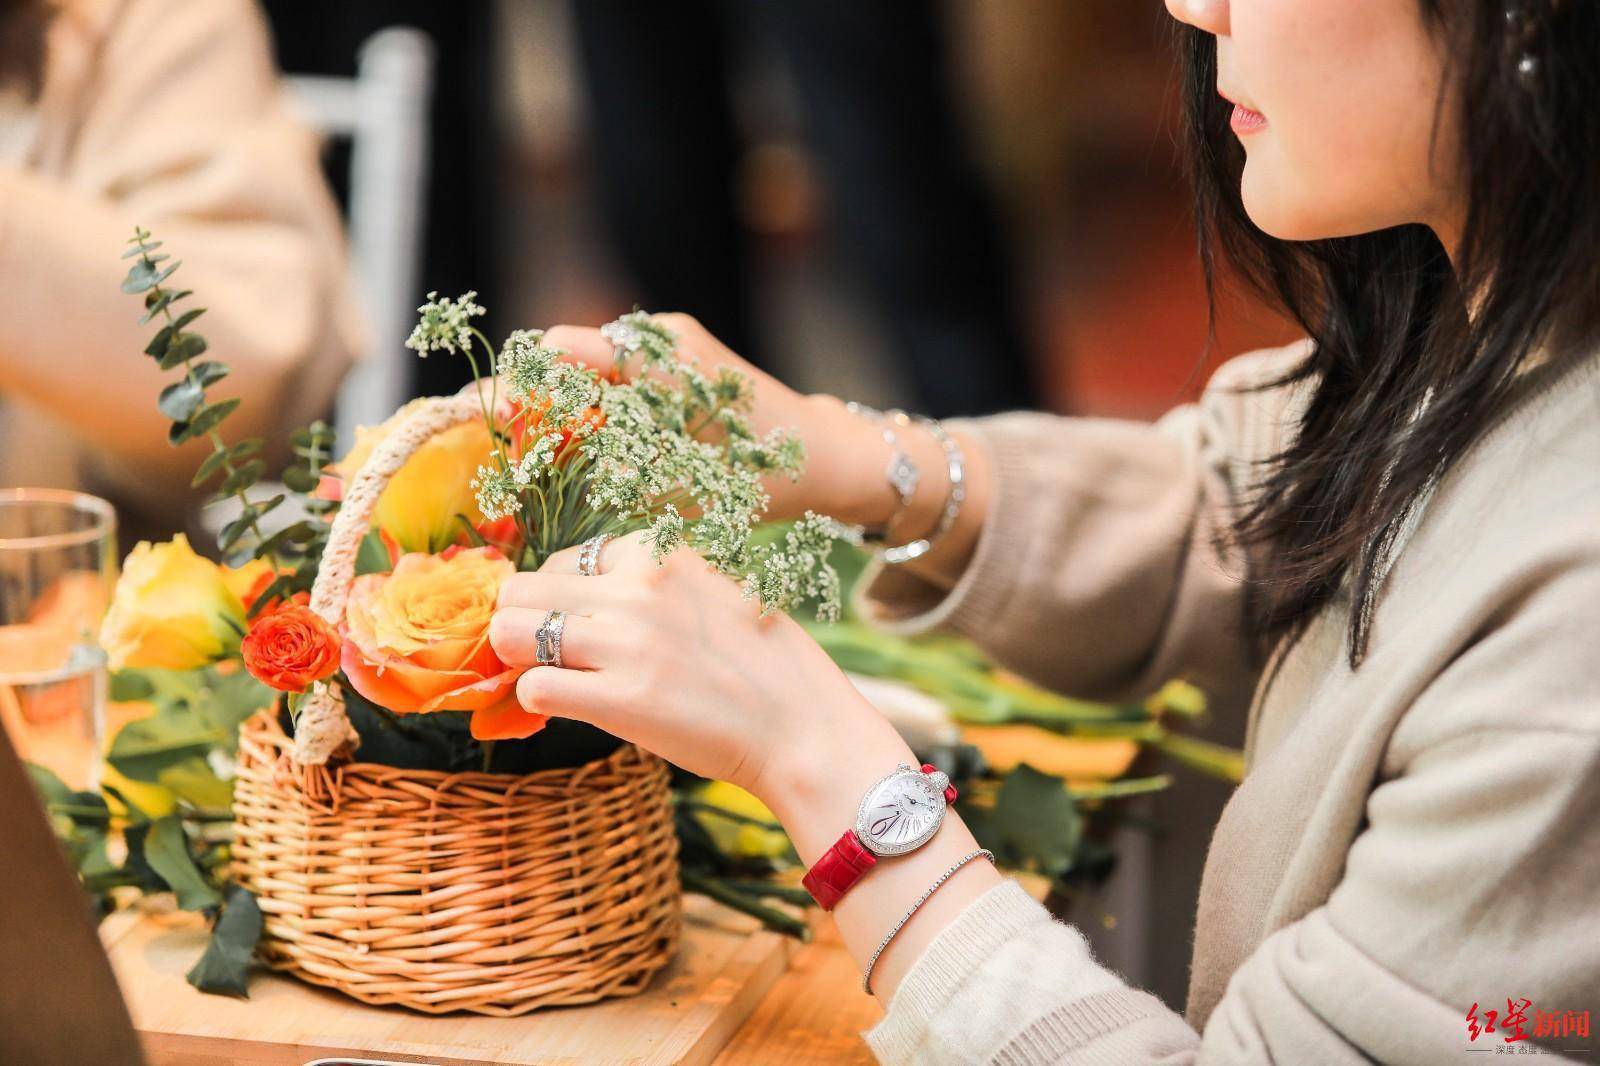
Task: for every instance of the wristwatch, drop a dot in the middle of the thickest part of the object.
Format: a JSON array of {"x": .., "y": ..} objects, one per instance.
[{"x": 899, "y": 813}]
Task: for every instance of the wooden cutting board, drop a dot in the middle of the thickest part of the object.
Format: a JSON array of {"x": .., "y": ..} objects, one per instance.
[{"x": 726, "y": 965}]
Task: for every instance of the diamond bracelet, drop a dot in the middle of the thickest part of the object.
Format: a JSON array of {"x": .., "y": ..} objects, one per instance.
[
  {"x": 903, "y": 477},
  {"x": 866, "y": 977}
]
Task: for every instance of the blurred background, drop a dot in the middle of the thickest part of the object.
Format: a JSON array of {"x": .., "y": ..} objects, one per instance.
[{"x": 958, "y": 208}]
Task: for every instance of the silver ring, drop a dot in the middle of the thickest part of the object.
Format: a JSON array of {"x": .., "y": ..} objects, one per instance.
[
  {"x": 589, "y": 554},
  {"x": 547, "y": 638}
]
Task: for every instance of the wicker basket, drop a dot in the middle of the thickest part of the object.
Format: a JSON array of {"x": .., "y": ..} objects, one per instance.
[{"x": 491, "y": 893}]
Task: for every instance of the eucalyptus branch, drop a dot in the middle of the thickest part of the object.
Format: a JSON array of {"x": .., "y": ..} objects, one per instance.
[{"x": 184, "y": 401}]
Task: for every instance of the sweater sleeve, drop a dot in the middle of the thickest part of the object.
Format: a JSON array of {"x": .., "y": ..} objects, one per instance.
[
  {"x": 1469, "y": 884},
  {"x": 176, "y": 123},
  {"x": 1098, "y": 570}
]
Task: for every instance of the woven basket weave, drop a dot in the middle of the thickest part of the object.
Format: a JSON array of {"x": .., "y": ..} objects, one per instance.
[{"x": 491, "y": 893}]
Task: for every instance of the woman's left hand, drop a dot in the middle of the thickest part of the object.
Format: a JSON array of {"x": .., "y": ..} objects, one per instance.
[{"x": 670, "y": 656}]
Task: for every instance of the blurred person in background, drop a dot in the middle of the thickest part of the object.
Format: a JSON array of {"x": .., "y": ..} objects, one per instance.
[
  {"x": 165, "y": 114},
  {"x": 910, "y": 214}
]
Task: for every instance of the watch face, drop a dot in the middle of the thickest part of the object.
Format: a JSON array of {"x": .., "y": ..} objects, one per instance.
[{"x": 899, "y": 813}]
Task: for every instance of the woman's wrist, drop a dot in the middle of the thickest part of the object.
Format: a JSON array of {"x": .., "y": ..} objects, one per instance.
[{"x": 852, "y": 477}]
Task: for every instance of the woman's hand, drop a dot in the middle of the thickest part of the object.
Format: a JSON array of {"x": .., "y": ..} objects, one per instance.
[
  {"x": 669, "y": 655},
  {"x": 673, "y": 658},
  {"x": 846, "y": 455}
]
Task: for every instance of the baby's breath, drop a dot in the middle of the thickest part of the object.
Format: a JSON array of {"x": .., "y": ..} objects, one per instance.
[
  {"x": 584, "y": 454},
  {"x": 445, "y": 325}
]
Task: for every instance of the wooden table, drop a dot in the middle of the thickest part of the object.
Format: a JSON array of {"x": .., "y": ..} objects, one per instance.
[{"x": 736, "y": 995}]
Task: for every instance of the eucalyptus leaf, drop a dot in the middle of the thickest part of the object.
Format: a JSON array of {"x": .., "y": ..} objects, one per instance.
[
  {"x": 234, "y": 531},
  {"x": 209, "y": 372},
  {"x": 301, "y": 479},
  {"x": 243, "y": 477},
  {"x": 182, "y": 348},
  {"x": 210, "y": 416},
  {"x": 158, "y": 344},
  {"x": 225, "y": 967},
  {"x": 188, "y": 317},
  {"x": 180, "y": 400},
  {"x": 141, "y": 276}
]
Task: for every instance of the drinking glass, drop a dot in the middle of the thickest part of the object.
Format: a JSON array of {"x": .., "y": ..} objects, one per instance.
[{"x": 58, "y": 567}]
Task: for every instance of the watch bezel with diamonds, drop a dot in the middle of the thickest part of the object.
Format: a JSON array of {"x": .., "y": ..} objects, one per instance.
[{"x": 930, "y": 784}]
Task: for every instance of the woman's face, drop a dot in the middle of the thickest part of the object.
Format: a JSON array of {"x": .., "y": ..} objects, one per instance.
[{"x": 1336, "y": 106}]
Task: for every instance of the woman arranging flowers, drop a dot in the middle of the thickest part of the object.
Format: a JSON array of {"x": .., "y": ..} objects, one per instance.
[{"x": 1414, "y": 840}]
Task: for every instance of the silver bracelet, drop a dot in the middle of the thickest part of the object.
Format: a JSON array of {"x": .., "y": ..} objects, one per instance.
[
  {"x": 866, "y": 978},
  {"x": 904, "y": 553},
  {"x": 901, "y": 473}
]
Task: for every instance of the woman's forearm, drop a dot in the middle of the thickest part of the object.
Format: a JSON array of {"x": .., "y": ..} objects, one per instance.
[
  {"x": 815, "y": 790},
  {"x": 848, "y": 462}
]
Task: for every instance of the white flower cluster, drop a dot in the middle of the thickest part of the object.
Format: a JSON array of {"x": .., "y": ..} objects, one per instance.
[
  {"x": 798, "y": 570},
  {"x": 644, "y": 460},
  {"x": 445, "y": 325}
]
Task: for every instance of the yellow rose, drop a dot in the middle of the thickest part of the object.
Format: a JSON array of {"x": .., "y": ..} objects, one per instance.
[
  {"x": 172, "y": 610},
  {"x": 736, "y": 836},
  {"x": 418, "y": 510}
]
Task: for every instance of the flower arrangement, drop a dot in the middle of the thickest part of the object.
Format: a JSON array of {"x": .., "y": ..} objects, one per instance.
[{"x": 561, "y": 452}]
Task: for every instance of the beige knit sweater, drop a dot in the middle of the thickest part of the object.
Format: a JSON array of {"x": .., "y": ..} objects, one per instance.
[
  {"x": 166, "y": 114},
  {"x": 1411, "y": 839}
]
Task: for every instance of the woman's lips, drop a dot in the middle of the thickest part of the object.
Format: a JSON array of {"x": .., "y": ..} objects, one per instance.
[{"x": 1244, "y": 120}]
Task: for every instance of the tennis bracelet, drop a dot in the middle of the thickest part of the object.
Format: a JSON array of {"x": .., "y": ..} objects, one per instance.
[{"x": 866, "y": 977}]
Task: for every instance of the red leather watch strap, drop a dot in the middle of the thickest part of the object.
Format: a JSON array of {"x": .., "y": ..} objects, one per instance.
[
  {"x": 840, "y": 867},
  {"x": 949, "y": 790}
]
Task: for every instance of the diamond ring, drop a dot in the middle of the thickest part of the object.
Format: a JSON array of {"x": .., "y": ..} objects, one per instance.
[
  {"x": 589, "y": 554},
  {"x": 547, "y": 638}
]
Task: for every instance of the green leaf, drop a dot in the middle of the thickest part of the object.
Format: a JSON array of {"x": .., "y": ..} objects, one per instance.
[
  {"x": 203, "y": 422},
  {"x": 180, "y": 400},
  {"x": 188, "y": 317},
  {"x": 1037, "y": 822},
  {"x": 158, "y": 343},
  {"x": 473, "y": 536},
  {"x": 224, "y": 969},
  {"x": 373, "y": 555},
  {"x": 146, "y": 746},
  {"x": 140, "y": 248},
  {"x": 141, "y": 276},
  {"x": 209, "y": 372},
  {"x": 242, "y": 478},
  {"x": 181, "y": 348},
  {"x": 214, "y": 462},
  {"x": 298, "y": 533},
  {"x": 166, "y": 849},
  {"x": 129, "y": 686},
  {"x": 51, "y": 788},
  {"x": 194, "y": 782},
  {"x": 234, "y": 531},
  {"x": 301, "y": 479},
  {"x": 157, "y": 301}
]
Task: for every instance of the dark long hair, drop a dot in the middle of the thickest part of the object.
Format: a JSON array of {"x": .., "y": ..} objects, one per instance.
[{"x": 1386, "y": 312}]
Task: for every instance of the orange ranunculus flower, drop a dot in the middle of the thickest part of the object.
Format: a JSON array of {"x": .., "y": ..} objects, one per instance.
[
  {"x": 418, "y": 509},
  {"x": 289, "y": 647},
  {"x": 417, "y": 641}
]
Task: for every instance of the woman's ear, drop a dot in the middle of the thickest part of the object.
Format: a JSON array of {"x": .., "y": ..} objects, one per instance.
[{"x": 1208, "y": 15}]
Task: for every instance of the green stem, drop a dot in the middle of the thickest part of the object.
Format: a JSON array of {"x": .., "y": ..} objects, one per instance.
[{"x": 770, "y": 917}]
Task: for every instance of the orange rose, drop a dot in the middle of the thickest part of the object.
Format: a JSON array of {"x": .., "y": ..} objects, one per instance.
[
  {"x": 417, "y": 641},
  {"x": 289, "y": 647}
]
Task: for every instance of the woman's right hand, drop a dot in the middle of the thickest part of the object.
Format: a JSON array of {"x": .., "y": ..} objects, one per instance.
[{"x": 845, "y": 454}]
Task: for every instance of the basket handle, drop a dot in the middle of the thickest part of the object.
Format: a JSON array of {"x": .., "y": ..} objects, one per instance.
[{"x": 322, "y": 727}]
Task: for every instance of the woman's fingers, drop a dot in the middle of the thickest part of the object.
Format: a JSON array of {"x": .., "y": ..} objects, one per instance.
[
  {"x": 544, "y": 589},
  {"x": 513, "y": 634},
  {"x": 581, "y": 695},
  {"x": 585, "y": 345}
]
